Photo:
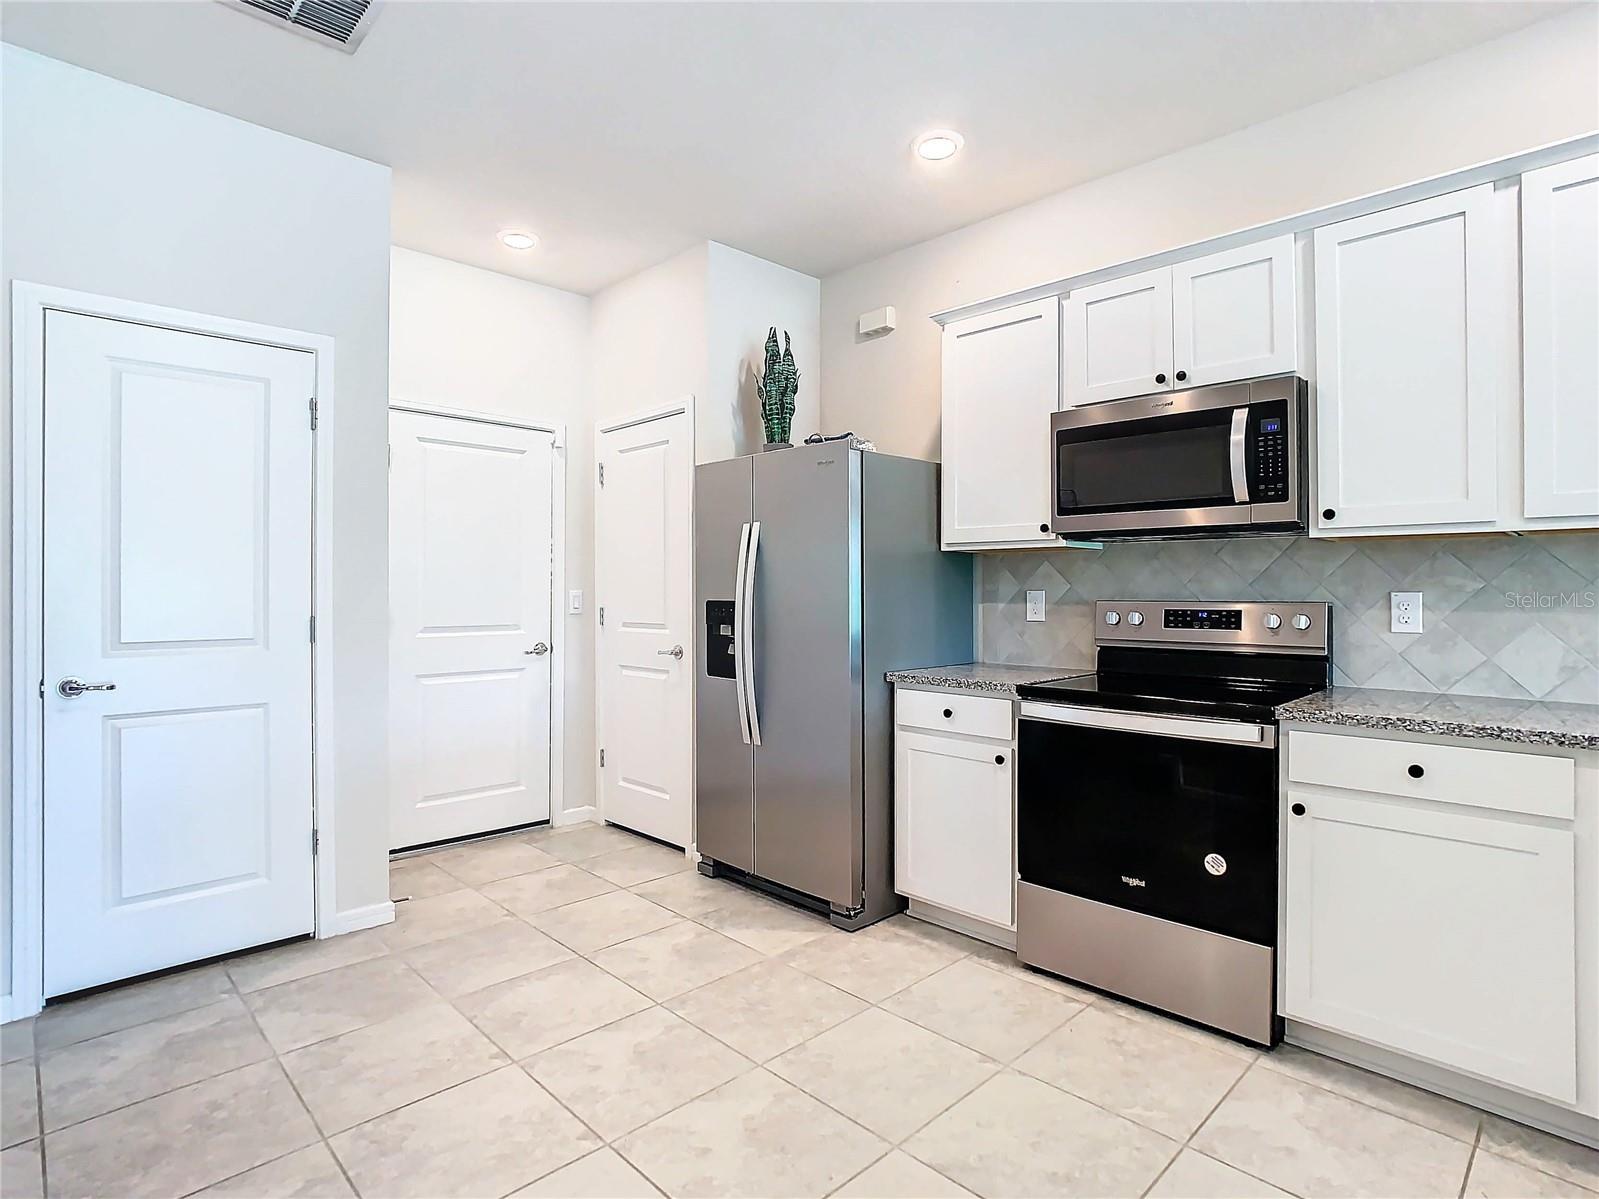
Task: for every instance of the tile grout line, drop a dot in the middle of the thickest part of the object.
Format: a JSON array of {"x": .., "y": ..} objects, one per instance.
[{"x": 1471, "y": 1160}]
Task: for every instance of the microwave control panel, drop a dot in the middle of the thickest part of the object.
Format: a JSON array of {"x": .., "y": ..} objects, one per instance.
[{"x": 1268, "y": 452}]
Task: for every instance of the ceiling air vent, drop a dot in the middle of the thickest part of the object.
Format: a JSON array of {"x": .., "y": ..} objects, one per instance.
[{"x": 341, "y": 23}]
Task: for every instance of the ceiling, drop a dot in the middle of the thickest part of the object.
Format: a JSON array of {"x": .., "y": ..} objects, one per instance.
[{"x": 621, "y": 133}]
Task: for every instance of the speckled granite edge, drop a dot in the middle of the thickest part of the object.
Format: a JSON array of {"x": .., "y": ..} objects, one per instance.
[
  {"x": 1521, "y": 722},
  {"x": 998, "y": 678}
]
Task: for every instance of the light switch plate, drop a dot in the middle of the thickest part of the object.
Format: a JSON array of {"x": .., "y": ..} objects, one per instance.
[
  {"x": 1404, "y": 611},
  {"x": 1035, "y": 605},
  {"x": 574, "y": 602}
]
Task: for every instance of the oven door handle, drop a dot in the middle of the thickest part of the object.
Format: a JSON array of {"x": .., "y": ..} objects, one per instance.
[
  {"x": 1236, "y": 456},
  {"x": 1225, "y": 732}
]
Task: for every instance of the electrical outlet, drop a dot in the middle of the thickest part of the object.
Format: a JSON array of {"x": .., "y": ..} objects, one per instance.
[
  {"x": 1035, "y": 605},
  {"x": 1404, "y": 611}
]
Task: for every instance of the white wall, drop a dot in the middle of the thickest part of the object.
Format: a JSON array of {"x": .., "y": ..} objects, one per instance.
[
  {"x": 111, "y": 189},
  {"x": 1532, "y": 87},
  {"x": 648, "y": 337},
  {"x": 461, "y": 337}
]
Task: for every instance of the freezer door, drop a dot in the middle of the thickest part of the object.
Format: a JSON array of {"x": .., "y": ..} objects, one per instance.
[
  {"x": 724, "y": 782},
  {"x": 806, "y": 684}
]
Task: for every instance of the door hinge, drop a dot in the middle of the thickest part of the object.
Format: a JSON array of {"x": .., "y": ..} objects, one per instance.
[
  {"x": 602, "y": 474},
  {"x": 391, "y": 459},
  {"x": 313, "y": 414},
  {"x": 315, "y": 841},
  {"x": 602, "y": 759},
  {"x": 41, "y": 688},
  {"x": 602, "y": 616},
  {"x": 313, "y": 630}
]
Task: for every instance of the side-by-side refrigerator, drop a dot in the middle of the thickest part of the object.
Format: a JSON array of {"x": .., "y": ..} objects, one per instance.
[{"x": 817, "y": 569}]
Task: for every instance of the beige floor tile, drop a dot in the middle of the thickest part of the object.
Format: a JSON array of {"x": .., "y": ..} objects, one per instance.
[
  {"x": 484, "y": 1137},
  {"x": 984, "y": 1009},
  {"x": 488, "y": 955},
  {"x": 88, "y": 1078},
  {"x": 766, "y": 1008},
  {"x": 883, "y": 1072},
  {"x": 1016, "y": 1136},
  {"x": 638, "y": 864},
  {"x": 19, "y": 1103},
  {"x": 439, "y": 916},
  {"x": 1179, "y": 1028},
  {"x": 756, "y": 1136},
  {"x": 627, "y": 1073},
  {"x": 692, "y": 894},
  {"x": 928, "y": 933},
  {"x": 603, "y": 1174},
  {"x": 767, "y": 926},
  {"x": 16, "y": 1040},
  {"x": 1495, "y": 1177},
  {"x": 1146, "y": 1073},
  {"x": 420, "y": 878},
  {"x": 528, "y": 894},
  {"x": 674, "y": 959},
  {"x": 1422, "y": 1107},
  {"x": 873, "y": 963},
  {"x": 592, "y": 924},
  {"x": 1004, "y": 960},
  {"x": 376, "y": 1069},
  {"x": 224, "y": 1125},
  {"x": 490, "y": 861},
  {"x": 549, "y": 1006},
  {"x": 1553, "y": 1155},
  {"x": 123, "y": 1007},
  {"x": 1313, "y": 1142},
  {"x": 269, "y": 967},
  {"x": 309, "y": 1173},
  {"x": 579, "y": 842},
  {"x": 1195, "y": 1176},
  {"x": 900, "y": 1176},
  {"x": 22, "y": 1172},
  {"x": 337, "y": 1001}
]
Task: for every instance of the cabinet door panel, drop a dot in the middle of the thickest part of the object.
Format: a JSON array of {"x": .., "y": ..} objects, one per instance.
[
  {"x": 1408, "y": 350},
  {"x": 1233, "y": 314},
  {"x": 953, "y": 828},
  {"x": 1445, "y": 936},
  {"x": 1001, "y": 385},
  {"x": 1119, "y": 339},
  {"x": 1560, "y": 311}
]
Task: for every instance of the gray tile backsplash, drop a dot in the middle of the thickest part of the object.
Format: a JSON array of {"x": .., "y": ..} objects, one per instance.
[{"x": 1507, "y": 616}]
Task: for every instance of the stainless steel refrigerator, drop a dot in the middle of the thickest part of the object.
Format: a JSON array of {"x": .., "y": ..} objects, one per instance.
[{"x": 817, "y": 569}]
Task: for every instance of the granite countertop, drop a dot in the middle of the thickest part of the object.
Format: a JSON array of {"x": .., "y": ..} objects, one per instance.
[
  {"x": 1525, "y": 722},
  {"x": 1000, "y": 678}
]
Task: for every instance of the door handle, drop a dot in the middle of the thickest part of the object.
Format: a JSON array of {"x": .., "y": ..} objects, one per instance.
[
  {"x": 71, "y": 688},
  {"x": 539, "y": 648},
  {"x": 748, "y": 604},
  {"x": 1236, "y": 455},
  {"x": 675, "y": 652},
  {"x": 740, "y": 618}
]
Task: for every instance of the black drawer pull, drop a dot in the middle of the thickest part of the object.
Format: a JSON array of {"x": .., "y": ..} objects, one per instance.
[
  {"x": 948, "y": 713},
  {"x": 1415, "y": 771},
  {"x": 999, "y": 759},
  {"x": 1298, "y": 809}
]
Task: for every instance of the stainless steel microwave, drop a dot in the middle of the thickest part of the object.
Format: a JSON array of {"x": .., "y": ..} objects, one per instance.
[{"x": 1213, "y": 461}]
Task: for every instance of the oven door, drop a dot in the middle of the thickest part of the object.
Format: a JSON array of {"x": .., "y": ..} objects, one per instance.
[{"x": 1169, "y": 816}]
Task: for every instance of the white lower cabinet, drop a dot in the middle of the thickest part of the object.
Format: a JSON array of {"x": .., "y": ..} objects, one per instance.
[{"x": 954, "y": 823}]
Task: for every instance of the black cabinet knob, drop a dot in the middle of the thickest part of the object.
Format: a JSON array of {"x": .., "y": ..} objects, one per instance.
[
  {"x": 1160, "y": 378},
  {"x": 948, "y": 713},
  {"x": 1298, "y": 809},
  {"x": 1181, "y": 375},
  {"x": 1328, "y": 513},
  {"x": 1043, "y": 528},
  {"x": 999, "y": 759},
  {"x": 1415, "y": 771}
]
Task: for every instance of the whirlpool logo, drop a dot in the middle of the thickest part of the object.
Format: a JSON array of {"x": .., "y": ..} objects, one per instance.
[{"x": 1133, "y": 882}]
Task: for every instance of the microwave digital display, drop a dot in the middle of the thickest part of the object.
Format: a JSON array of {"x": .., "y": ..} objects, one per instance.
[{"x": 1271, "y": 426}]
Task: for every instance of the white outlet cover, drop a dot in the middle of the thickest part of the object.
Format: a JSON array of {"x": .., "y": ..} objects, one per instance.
[
  {"x": 1035, "y": 605},
  {"x": 574, "y": 602},
  {"x": 1404, "y": 612}
]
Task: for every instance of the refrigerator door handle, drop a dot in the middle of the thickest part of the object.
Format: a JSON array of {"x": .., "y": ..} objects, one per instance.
[
  {"x": 740, "y": 670},
  {"x": 747, "y": 603}
]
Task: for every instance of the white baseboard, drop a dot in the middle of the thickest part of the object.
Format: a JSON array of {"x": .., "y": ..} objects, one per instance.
[
  {"x": 585, "y": 815},
  {"x": 1004, "y": 938},
  {"x": 6, "y": 1013},
  {"x": 354, "y": 920}
]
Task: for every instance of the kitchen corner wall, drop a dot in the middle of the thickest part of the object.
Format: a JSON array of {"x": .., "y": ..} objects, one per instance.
[{"x": 1505, "y": 616}]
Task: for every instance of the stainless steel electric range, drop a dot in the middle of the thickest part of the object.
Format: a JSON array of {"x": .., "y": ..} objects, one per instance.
[{"x": 1147, "y": 806}]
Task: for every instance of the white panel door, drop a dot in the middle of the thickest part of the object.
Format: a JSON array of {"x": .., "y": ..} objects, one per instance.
[
  {"x": 1408, "y": 353},
  {"x": 644, "y": 573},
  {"x": 1118, "y": 339},
  {"x": 1001, "y": 385},
  {"x": 1233, "y": 314},
  {"x": 177, "y": 510},
  {"x": 1560, "y": 312},
  {"x": 1447, "y": 936},
  {"x": 469, "y": 624}
]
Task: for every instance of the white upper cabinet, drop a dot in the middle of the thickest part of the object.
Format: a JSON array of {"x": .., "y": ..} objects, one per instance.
[
  {"x": 1119, "y": 338},
  {"x": 1410, "y": 351},
  {"x": 1233, "y": 314},
  {"x": 1001, "y": 385},
  {"x": 1560, "y": 314}
]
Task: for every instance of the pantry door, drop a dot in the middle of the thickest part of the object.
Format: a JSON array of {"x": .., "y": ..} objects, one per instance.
[
  {"x": 177, "y": 647},
  {"x": 470, "y": 646}
]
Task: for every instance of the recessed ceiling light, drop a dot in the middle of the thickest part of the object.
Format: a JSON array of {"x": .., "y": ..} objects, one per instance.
[
  {"x": 939, "y": 145},
  {"x": 516, "y": 239}
]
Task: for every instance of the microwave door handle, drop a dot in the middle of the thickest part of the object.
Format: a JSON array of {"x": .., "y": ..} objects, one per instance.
[
  {"x": 748, "y": 604},
  {"x": 1235, "y": 452},
  {"x": 740, "y": 619}
]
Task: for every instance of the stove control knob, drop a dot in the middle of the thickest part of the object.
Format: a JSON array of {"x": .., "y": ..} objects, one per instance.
[
  {"x": 1135, "y": 618},
  {"x": 1273, "y": 621},
  {"x": 1113, "y": 617},
  {"x": 1301, "y": 621}
]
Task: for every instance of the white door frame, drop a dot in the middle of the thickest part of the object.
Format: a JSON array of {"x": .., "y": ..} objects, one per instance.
[
  {"x": 29, "y": 303},
  {"x": 683, "y": 405},
  {"x": 558, "y": 812}
]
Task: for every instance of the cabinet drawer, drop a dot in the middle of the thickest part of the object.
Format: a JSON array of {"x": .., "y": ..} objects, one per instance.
[
  {"x": 1481, "y": 778},
  {"x": 973, "y": 715}
]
